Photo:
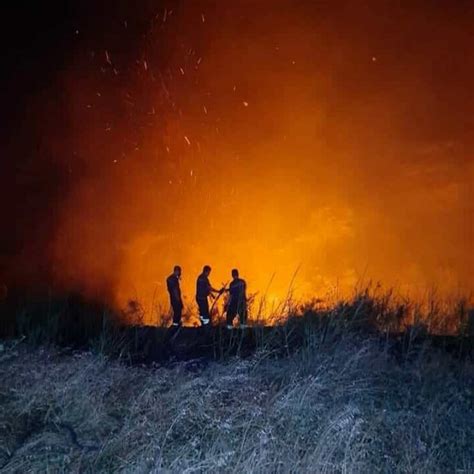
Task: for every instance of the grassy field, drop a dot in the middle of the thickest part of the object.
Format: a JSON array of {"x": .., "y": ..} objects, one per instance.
[{"x": 342, "y": 401}]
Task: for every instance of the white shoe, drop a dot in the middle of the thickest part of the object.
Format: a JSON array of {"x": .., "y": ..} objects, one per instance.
[
  {"x": 175, "y": 324},
  {"x": 204, "y": 321}
]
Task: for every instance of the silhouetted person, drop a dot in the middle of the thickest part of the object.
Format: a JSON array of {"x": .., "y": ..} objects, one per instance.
[
  {"x": 237, "y": 304},
  {"x": 204, "y": 289},
  {"x": 172, "y": 283}
]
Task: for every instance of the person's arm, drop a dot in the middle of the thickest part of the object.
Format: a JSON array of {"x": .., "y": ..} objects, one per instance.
[
  {"x": 175, "y": 290},
  {"x": 212, "y": 289},
  {"x": 176, "y": 294}
]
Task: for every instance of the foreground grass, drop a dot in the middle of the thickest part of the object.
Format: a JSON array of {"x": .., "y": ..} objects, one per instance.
[{"x": 345, "y": 406}]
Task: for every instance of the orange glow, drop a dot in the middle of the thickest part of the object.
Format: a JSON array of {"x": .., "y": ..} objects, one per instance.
[{"x": 275, "y": 146}]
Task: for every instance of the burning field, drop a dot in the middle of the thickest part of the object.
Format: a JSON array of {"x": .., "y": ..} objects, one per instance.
[
  {"x": 315, "y": 147},
  {"x": 321, "y": 151}
]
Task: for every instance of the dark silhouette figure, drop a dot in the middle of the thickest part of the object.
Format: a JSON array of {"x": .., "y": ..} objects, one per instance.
[
  {"x": 204, "y": 290},
  {"x": 237, "y": 304},
  {"x": 172, "y": 283}
]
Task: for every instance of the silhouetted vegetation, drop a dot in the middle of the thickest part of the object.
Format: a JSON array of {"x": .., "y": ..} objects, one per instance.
[
  {"x": 75, "y": 322},
  {"x": 329, "y": 390}
]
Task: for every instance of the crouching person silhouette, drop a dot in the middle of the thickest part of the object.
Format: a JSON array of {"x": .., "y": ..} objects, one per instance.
[
  {"x": 204, "y": 290},
  {"x": 237, "y": 304},
  {"x": 174, "y": 290}
]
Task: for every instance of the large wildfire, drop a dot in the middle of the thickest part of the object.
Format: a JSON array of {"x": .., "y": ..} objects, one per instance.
[{"x": 314, "y": 148}]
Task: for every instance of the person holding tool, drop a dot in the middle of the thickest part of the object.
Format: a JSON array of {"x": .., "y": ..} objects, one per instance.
[{"x": 204, "y": 290}]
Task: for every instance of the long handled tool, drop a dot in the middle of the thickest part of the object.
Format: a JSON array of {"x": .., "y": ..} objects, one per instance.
[{"x": 216, "y": 299}]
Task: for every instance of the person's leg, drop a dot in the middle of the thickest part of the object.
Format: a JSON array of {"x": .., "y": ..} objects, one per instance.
[
  {"x": 177, "y": 311},
  {"x": 231, "y": 314},
  {"x": 243, "y": 314},
  {"x": 173, "y": 309},
  {"x": 203, "y": 306},
  {"x": 199, "y": 303}
]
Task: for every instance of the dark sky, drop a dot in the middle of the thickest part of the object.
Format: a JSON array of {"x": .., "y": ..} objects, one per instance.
[{"x": 39, "y": 43}]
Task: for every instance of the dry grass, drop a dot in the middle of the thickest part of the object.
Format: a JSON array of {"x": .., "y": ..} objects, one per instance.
[{"x": 347, "y": 406}]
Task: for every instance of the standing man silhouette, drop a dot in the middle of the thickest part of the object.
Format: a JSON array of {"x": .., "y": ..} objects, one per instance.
[
  {"x": 174, "y": 290},
  {"x": 204, "y": 289},
  {"x": 237, "y": 304}
]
